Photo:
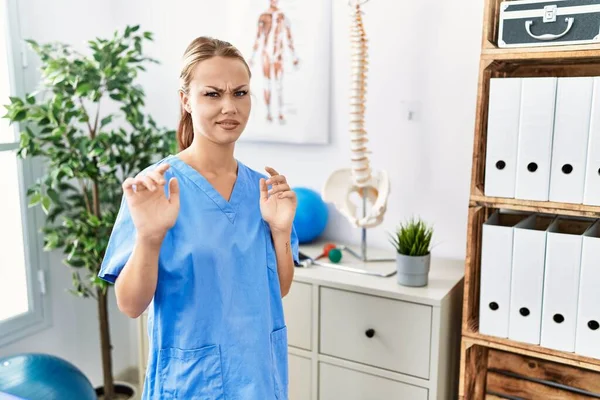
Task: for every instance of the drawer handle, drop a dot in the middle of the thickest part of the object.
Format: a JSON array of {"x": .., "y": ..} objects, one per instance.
[{"x": 370, "y": 333}]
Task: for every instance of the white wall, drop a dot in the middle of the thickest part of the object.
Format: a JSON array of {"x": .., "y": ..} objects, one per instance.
[
  {"x": 74, "y": 331},
  {"x": 421, "y": 52}
]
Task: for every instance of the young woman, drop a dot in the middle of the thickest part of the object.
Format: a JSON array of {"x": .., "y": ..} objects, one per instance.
[{"x": 208, "y": 248}]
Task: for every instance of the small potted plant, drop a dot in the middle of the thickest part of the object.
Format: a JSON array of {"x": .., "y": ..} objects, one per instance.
[{"x": 412, "y": 241}]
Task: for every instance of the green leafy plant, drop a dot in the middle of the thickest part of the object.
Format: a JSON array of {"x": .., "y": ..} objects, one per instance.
[
  {"x": 413, "y": 238},
  {"x": 87, "y": 152}
]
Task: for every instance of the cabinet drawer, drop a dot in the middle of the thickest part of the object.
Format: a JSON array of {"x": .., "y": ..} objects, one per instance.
[
  {"x": 381, "y": 332},
  {"x": 297, "y": 306},
  {"x": 300, "y": 387},
  {"x": 337, "y": 383}
]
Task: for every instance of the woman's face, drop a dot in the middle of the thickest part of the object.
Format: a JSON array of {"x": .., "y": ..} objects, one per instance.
[{"x": 219, "y": 99}]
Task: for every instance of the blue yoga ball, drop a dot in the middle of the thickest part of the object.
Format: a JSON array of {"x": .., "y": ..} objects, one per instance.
[
  {"x": 311, "y": 215},
  {"x": 42, "y": 376}
]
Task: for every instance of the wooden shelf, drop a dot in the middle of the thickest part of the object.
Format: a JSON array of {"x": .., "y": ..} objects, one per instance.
[
  {"x": 546, "y": 207},
  {"x": 530, "y": 350},
  {"x": 547, "y": 53}
]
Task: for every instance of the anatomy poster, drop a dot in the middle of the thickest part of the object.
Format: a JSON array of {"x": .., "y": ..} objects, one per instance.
[{"x": 288, "y": 45}]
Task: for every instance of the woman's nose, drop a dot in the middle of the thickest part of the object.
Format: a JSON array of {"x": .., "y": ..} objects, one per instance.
[{"x": 228, "y": 106}]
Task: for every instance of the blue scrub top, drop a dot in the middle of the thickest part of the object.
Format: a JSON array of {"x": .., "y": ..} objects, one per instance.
[{"x": 216, "y": 325}]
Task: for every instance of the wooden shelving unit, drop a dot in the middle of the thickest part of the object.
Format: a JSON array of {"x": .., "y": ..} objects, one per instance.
[{"x": 491, "y": 367}]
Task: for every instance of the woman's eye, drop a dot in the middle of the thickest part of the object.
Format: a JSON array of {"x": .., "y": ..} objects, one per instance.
[
  {"x": 241, "y": 93},
  {"x": 211, "y": 94}
]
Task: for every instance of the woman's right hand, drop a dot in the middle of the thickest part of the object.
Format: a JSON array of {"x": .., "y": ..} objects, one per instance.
[{"x": 152, "y": 212}]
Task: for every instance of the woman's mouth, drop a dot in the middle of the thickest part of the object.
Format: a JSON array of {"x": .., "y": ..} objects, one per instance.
[{"x": 228, "y": 124}]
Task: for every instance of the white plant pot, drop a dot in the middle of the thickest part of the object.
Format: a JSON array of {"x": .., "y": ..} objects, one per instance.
[{"x": 413, "y": 271}]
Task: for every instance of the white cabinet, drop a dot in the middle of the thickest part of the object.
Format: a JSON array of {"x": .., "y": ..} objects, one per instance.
[{"x": 359, "y": 337}]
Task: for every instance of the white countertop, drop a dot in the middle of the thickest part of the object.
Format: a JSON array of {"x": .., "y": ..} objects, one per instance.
[{"x": 444, "y": 275}]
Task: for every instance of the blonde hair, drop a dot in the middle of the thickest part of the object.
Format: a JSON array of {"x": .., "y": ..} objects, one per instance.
[{"x": 200, "y": 49}]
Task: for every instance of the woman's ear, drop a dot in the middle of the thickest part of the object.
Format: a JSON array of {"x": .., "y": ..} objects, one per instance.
[{"x": 185, "y": 101}]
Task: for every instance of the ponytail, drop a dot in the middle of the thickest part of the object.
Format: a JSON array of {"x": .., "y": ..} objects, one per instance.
[{"x": 185, "y": 132}]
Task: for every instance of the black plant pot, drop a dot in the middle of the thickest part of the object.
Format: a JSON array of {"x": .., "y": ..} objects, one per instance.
[{"x": 122, "y": 390}]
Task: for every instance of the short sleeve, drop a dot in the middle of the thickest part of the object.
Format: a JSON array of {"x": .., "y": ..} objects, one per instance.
[{"x": 120, "y": 245}]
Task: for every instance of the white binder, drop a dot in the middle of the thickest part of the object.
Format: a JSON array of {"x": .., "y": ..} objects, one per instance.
[
  {"x": 587, "y": 340},
  {"x": 591, "y": 193},
  {"x": 496, "y": 265},
  {"x": 561, "y": 283},
  {"x": 527, "y": 281},
  {"x": 535, "y": 138},
  {"x": 502, "y": 135},
  {"x": 569, "y": 147}
]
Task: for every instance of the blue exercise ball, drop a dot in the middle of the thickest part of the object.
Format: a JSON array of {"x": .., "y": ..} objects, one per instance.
[
  {"x": 42, "y": 376},
  {"x": 311, "y": 215}
]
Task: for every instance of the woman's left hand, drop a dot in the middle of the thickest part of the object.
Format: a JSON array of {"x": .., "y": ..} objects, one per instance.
[{"x": 278, "y": 205}]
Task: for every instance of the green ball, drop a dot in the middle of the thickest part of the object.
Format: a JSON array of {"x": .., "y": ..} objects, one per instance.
[{"x": 335, "y": 255}]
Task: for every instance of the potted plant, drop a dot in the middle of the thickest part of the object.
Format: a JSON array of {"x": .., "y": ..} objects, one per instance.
[
  {"x": 412, "y": 241},
  {"x": 87, "y": 152}
]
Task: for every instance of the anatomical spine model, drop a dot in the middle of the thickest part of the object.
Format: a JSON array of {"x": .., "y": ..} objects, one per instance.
[
  {"x": 361, "y": 170},
  {"x": 371, "y": 187}
]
